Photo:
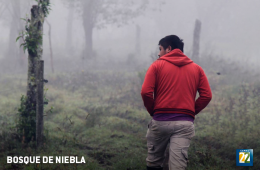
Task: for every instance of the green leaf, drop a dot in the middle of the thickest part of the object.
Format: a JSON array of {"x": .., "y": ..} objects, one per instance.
[
  {"x": 24, "y": 48},
  {"x": 18, "y": 38},
  {"x": 23, "y": 44}
]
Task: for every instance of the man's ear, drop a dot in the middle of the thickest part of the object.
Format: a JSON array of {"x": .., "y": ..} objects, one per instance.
[{"x": 168, "y": 49}]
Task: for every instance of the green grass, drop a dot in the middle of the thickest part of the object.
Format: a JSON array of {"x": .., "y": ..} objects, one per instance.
[{"x": 100, "y": 115}]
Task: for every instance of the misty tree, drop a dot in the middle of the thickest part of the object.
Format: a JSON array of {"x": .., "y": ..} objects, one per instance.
[
  {"x": 11, "y": 12},
  {"x": 71, "y": 7},
  {"x": 99, "y": 13},
  {"x": 32, "y": 38}
]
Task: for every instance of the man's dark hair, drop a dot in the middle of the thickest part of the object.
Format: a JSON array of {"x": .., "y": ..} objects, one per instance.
[{"x": 173, "y": 41}]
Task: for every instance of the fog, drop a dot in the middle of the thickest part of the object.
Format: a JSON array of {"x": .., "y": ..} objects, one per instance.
[
  {"x": 96, "y": 54},
  {"x": 229, "y": 30}
]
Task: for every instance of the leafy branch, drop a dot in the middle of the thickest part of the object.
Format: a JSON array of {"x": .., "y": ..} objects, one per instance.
[
  {"x": 31, "y": 39},
  {"x": 45, "y": 6}
]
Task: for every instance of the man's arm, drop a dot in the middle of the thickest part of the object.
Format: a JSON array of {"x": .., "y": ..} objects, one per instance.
[
  {"x": 204, "y": 92},
  {"x": 148, "y": 89}
]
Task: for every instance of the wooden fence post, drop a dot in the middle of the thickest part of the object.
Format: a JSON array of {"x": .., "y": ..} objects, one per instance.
[
  {"x": 196, "y": 42},
  {"x": 39, "y": 103}
]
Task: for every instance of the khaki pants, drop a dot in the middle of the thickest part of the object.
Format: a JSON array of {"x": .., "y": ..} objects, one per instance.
[{"x": 178, "y": 134}]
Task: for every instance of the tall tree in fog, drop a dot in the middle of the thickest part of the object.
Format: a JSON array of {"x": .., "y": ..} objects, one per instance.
[
  {"x": 69, "y": 27},
  {"x": 99, "y": 13},
  {"x": 12, "y": 10}
]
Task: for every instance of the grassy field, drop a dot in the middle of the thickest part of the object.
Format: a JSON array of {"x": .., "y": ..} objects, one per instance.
[{"x": 100, "y": 115}]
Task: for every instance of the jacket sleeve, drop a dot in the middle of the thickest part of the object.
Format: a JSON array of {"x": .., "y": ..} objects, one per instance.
[
  {"x": 148, "y": 89},
  {"x": 205, "y": 94}
]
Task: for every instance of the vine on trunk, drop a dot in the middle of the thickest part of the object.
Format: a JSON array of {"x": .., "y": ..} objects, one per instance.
[{"x": 30, "y": 37}]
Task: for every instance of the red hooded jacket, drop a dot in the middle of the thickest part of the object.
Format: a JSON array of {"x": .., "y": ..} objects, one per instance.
[{"x": 171, "y": 84}]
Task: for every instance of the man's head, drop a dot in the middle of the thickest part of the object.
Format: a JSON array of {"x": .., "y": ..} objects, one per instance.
[{"x": 169, "y": 43}]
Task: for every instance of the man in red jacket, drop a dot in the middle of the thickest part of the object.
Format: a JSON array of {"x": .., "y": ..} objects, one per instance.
[{"x": 169, "y": 92}]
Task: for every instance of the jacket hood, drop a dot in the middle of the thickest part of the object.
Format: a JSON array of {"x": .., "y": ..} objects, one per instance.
[{"x": 176, "y": 57}]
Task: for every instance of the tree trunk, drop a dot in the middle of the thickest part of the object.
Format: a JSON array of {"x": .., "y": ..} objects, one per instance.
[
  {"x": 35, "y": 31},
  {"x": 51, "y": 54},
  {"x": 196, "y": 42},
  {"x": 88, "y": 29},
  {"x": 15, "y": 53},
  {"x": 69, "y": 42},
  {"x": 20, "y": 27},
  {"x": 12, "y": 50}
]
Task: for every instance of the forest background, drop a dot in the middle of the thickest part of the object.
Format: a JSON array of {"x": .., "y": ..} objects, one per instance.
[{"x": 95, "y": 68}]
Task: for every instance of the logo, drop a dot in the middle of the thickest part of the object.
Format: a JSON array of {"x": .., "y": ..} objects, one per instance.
[{"x": 244, "y": 157}]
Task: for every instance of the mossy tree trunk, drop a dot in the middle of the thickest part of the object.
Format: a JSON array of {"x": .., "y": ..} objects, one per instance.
[{"x": 35, "y": 35}]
